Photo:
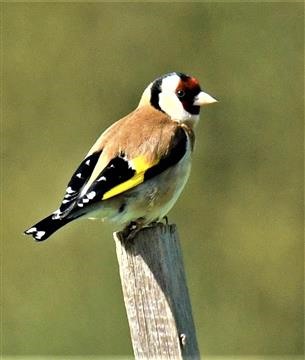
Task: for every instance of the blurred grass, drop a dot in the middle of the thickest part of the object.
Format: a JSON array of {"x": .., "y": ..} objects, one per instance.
[{"x": 70, "y": 70}]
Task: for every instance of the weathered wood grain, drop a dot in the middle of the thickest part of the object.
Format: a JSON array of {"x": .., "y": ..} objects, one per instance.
[{"x": 155, "y": 294}]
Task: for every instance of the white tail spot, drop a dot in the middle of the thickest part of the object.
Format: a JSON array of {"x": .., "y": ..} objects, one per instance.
[
  {"x": 39, "y": 234},
  {"x": 31, "y": 230}
]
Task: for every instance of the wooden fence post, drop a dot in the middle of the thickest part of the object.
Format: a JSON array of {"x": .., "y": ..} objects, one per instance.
[{"x": 155, "y": 294}]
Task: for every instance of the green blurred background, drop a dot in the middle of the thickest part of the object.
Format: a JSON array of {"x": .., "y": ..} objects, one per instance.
[{"x": 69, "y": 71}]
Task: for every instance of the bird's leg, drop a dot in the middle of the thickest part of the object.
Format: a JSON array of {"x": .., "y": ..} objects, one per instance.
[{"x": 165, "y": 218}]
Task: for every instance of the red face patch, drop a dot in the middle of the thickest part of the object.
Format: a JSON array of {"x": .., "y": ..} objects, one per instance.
[
  {"x": 187, "y": 89},
  {"x": 188, "y": 84}
]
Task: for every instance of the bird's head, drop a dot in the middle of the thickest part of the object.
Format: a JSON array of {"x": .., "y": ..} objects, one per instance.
[{"x": 178, "y": 95}]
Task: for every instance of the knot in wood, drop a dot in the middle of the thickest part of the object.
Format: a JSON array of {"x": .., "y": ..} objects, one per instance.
[{"x": 182, "y": 338}]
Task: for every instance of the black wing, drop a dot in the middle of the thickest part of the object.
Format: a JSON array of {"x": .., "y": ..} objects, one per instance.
[
  {"x": 76, "y": 184},
  {"x": 120, "y": 171}
]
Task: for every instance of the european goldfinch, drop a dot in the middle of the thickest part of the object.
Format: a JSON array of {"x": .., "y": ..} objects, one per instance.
[{"x": 137, "y": 168}]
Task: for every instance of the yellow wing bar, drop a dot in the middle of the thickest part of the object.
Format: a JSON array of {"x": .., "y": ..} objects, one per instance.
[{"x": 140, "y": 165}]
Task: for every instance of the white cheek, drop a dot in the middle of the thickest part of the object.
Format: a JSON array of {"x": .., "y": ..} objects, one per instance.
[{"x": 173, "y": 107}]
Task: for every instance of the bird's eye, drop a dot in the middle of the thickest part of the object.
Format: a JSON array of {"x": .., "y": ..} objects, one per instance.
[{"x": 180, "y": 94}]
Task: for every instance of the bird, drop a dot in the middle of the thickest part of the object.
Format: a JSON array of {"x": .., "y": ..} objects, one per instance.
[{"x": 136, "y": 170}]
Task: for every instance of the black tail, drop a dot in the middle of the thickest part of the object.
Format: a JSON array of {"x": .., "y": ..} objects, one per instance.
[{"x": 46, "y": 227}]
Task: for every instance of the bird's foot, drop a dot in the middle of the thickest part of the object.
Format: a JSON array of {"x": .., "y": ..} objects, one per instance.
[{"x": 131, "y": 230}]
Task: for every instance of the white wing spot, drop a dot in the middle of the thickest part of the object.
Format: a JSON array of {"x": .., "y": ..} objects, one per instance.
[
  {"x": 91, "y": 195},
  {"x": 88, "y": 162},
  {"x": 85, "y": 200},
  {"x": 56, "y": 214},
  {"x": 70, "y": 190},
  {"x": 65, "y": 201},
  {"x": 79, "y": 175},
  {"x": 80, "y": 204},
  {"x": 102, "y": 178}
]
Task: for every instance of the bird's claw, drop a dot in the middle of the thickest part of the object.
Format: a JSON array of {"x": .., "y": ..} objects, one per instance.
[{"x": 131, "y": 230}]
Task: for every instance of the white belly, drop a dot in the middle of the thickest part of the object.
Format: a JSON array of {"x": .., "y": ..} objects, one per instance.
[{"x": 150, "y": 201}]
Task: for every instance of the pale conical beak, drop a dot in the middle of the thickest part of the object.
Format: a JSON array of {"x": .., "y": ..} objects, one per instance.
[{"x": 204, "y": 99}]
